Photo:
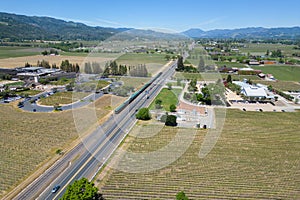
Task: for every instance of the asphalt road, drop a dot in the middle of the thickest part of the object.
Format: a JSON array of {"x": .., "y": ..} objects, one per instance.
[
  {"x": 33, "y": 107},
  {"x": 86, "y": 159}
]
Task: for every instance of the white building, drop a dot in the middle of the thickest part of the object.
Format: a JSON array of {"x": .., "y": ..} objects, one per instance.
[{"x": 259, "y": 91}]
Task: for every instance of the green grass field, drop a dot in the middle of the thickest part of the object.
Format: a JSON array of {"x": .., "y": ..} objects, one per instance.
[
  {"x": 29, "y": 92},
  {"x": 256, "y": 157},
  {"x": 230, "y": 64},
  {"x": 262, "y": 48},
  {"x": 212, "y": 76},
  {"x": 62, "y": 98},
  {"x": 12, "y": 52},
  {"x": 141, "y": 58},
  {"x": 168, "y": 98},
  {"x": 282, "y": 72}
]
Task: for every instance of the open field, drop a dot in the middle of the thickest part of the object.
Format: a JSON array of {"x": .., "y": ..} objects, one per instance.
[
  {"x": 29, "y": 139},
  {"x": 141, "y": 58},
  {"x": 256, "y": 157},
  {"x": 230, "y": 64},
  {"x": 196, "y": 53},
  {"x": 262, "y": 48},
  {"x": 281, "y": 85},
  {"x": 20, "y": 61},
  {"x": 168, "y": 98},
  {"x": 61, "y": 98},
  {"x": 29, "y": 92},
  {"x": 282, "y": 72},
  {"x": 135, "y": 82},
  {"x": 212, "y": 76},
  {"x": 12, "y": 52},
  {"x": 153, "y": 62}
]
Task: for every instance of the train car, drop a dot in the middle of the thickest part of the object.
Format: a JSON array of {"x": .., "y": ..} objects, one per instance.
[{"x": 136, "y": 94}]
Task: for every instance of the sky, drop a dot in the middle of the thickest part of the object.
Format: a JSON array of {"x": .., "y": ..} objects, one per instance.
[{"x": 169, "y": 15}]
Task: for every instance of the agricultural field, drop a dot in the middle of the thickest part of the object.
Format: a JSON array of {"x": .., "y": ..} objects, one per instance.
[
  {"x": 141, "y": 58},
  {"x": 23, "y": 150},
  {"x": 196, "y": 53},
  {"x": 28, "y": 139},
  {"x": 135, "y": 82},
  {"x": 212, "y": 76},
  {"x": 261, "y": 161},
  {"x": 153, "y": 62},
  {"x": 230, "y": 64},
  {"x": 282, "y": 72},
  {"x": 262, "y": 48},
  {"x": 32, "y": 60},
  {"x": 237, "y": 77},
  {"x": 168, "y": 98},
  {"x": 12, "y": 52},
  {"x": 281, "y": 85}
]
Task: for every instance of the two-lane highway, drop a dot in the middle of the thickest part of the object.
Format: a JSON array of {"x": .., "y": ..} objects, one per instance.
[{"x": 87, "y": 157}]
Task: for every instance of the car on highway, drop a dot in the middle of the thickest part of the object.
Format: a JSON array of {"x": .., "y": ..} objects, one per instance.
[{"x": 55, "y": 189}]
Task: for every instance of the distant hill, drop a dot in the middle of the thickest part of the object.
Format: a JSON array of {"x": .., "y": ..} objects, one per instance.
[
  {"x": 21, "y": 27},
  {"x": 247, "y": 33}
]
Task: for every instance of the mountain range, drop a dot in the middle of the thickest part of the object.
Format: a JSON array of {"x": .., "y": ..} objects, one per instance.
[
  {"x": 247, "y": 33},
  {"x": 15, "y": 27}
]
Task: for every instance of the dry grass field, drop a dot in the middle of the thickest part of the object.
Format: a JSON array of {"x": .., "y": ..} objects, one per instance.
[
  {"x": 20, "y": 61},
  {"x": 256, "y": 157},
  {"x": 29, "y": 139}
]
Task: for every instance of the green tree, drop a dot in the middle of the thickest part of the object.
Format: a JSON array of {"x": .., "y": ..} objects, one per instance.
[
  {"x": 172, "y": 108},
  {"x": 82, "y": 189},
  {"x": 44, "y": 64},
  {"x": 158, "y": 103},
  {"x": 143, "y": 114},
  {"x": 229, "y": 80},
  {"x": 180, "y": 65},
  {"x": 181, "y": 196},
  {"x": 167, "y": 57},
  {"x": 45, "y": 53},
  {"x": 171, "y": 120}
]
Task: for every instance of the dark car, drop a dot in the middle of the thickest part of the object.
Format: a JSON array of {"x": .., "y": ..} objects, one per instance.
[{"x": 55, "y": 189}]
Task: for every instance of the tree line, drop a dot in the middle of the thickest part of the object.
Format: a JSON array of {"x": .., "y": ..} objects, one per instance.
[
  {"x": 112, "y": 68},
  {"x": 64, "y": 66}
]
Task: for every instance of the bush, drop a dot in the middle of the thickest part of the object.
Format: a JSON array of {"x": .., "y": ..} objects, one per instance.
[
  {"x": 171, "y": 120},
  {"x": 163, "y": 118},
  {"x": 172, "y": 108},
  {"x": 181, "y": 196}
]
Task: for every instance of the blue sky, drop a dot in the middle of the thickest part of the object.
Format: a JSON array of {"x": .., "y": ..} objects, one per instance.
[{"x": 165, "y": 14}]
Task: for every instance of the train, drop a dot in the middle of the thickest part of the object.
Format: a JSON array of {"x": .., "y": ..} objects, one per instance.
[{"x": 136, "y": 94}]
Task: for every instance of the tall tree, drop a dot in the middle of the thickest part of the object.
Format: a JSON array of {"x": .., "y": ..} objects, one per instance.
[
  {"x": 201, "y": 66},
  {"x": 180, "y": 65},
  {"x": 229, "y": 80}
]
